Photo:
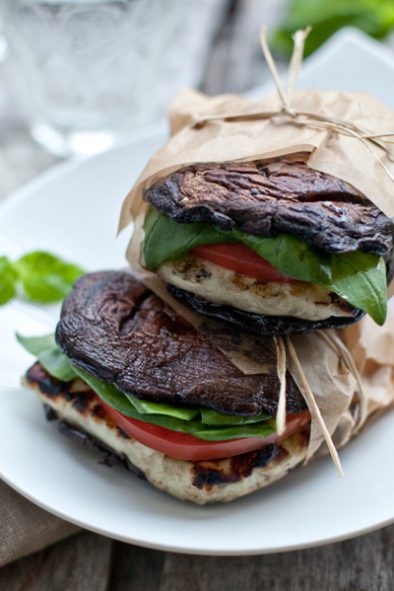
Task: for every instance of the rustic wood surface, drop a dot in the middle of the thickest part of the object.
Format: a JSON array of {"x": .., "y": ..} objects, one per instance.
[{"x": 88, "y": 562}]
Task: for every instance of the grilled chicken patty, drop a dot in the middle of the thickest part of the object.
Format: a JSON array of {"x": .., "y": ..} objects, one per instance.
[{"x": 83, "y": 418}]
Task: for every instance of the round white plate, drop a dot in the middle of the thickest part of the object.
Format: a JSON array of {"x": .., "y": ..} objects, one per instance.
[{"x": 73, "y": 210}]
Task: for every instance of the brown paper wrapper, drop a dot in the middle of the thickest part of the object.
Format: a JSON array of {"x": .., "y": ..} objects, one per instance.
[
  {"x": 253, "y": 136},
  {"x": 252, "y": 139}
]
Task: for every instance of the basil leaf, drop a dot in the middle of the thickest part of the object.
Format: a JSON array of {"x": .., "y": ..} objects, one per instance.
[
  {"x": 211, "y": 417},
  {"x": 202, "y": 423},
  {"x": 291, "y": 256},
  {"x": 8, "y": 279},
  {"x": 149, "y": 408},
  {"x": 49, "y": 355},
  {"x": 176, "y": 239},
  {"x": 119, "y": 401},
  {"x": 108, "y": 393},
  {"x": 360, "y": 281},
  {"x": 358, "y": 277},
  {"x": 46, "y": 278}
]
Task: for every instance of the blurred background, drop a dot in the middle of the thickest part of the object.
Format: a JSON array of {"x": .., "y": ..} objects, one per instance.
[{"x": 78, "y": 76}]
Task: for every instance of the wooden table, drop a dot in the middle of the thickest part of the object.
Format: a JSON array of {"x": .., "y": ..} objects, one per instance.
[{"x": 88, "y": 562}]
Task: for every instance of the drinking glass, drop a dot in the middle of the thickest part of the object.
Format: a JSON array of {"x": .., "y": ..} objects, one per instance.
[{"x": 86, "y": 69}]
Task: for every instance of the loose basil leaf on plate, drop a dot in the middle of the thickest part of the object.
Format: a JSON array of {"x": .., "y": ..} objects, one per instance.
[
  {"x": 46, "y": 278},
  {"x": 8, "y": 279},
  {"x": 49, "y": 355}
]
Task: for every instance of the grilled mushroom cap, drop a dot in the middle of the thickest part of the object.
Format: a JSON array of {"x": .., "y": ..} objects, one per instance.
[{"x": 116, "y": 329}]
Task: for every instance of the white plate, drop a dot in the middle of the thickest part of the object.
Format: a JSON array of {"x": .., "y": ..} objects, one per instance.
[{"x": 73, "y": 210}]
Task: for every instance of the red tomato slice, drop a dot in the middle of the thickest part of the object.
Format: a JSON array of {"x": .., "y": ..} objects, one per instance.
[
  {"x": 237, "y": 257},
  {"x": 182, "y": 446}
]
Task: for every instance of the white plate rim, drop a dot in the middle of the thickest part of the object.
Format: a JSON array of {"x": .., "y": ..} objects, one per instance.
[{"x": 197, "y": 551}]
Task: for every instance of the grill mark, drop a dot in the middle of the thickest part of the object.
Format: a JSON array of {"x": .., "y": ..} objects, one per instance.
[
  {"x": 50, "y": 413},
  {"x": 83, "y": 401},
  {"x": 207, "y": 475},
  {"x": 52, "y": 387},
  {"x": 109, "y": 456}
]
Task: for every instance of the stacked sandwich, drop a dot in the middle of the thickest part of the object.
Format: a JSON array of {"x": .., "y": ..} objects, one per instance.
[{"x": 255, "y": 251}]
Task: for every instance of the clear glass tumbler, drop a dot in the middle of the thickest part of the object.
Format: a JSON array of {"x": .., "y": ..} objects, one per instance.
[{"x": 86, "y": 69}]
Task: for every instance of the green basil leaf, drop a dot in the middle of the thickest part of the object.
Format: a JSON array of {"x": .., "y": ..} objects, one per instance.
[
  {"x": 150, "y": 408},
  {"x": 108, "y": 393},
  {"x": 175, "y": 239},
  {"x": 46, "y": 278},
  {"x": 8, "y": 279},
  {"x": 211, "y": 417},
  {"x": 291, "y": 256},
  {"x": 36, "y": 345},
  {"x": 119, "y": 401},
  {"x": 45, "y": 349},
  {"x": 202, "y": 423},
  {"x": 360, "y": 279}
]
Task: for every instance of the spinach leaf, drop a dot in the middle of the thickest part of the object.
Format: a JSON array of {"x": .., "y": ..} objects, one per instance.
[
  {"x": 49, "y": 355},
  {"x": 46, "y": 278},
  {"x": 358, "y": 277},
  {"x": 8, "y": 279}
]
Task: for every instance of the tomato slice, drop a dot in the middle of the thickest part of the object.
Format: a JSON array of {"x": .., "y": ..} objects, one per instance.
[
  {"x": 182, "y": 446},
  {"x": 237, "y": 257}
]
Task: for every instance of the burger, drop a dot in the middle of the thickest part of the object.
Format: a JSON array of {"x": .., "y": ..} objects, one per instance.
[
  {"x": 127, "y": 376},
  {"x": 271, "y": 246}
]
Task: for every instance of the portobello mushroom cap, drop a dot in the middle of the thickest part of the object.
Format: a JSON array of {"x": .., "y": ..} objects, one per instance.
[
  {"x": 116, "y": 329},
  {"x": 268, "y": 197}
]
